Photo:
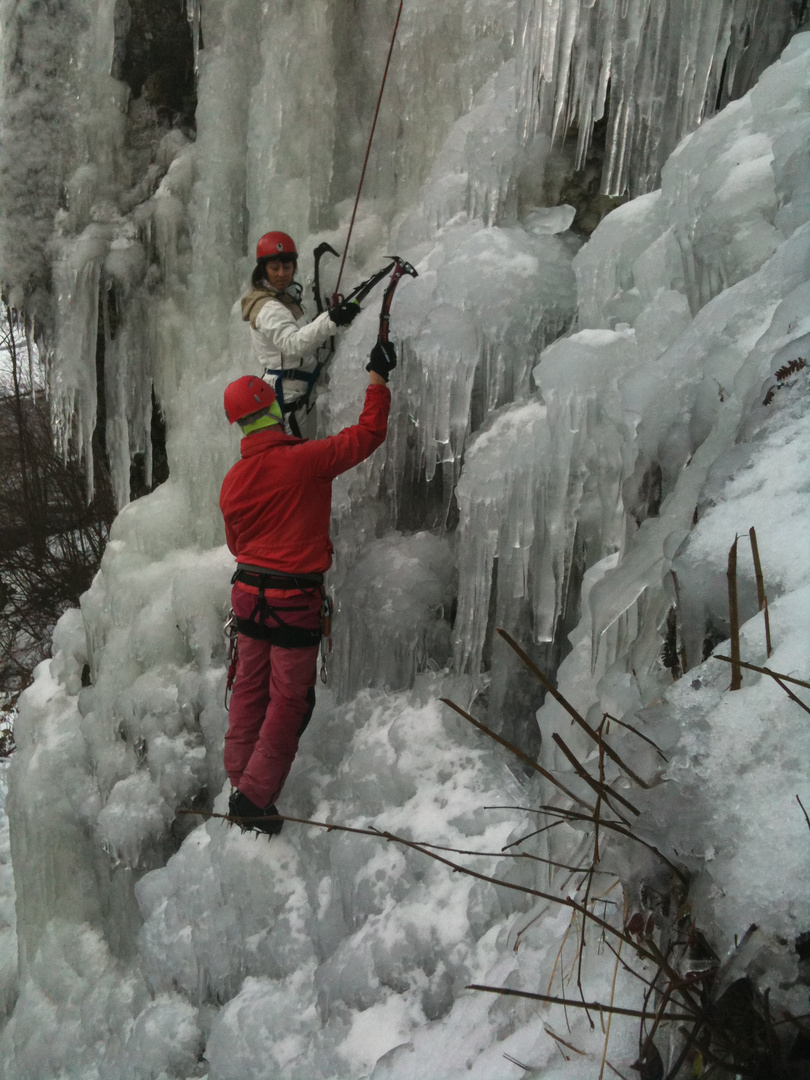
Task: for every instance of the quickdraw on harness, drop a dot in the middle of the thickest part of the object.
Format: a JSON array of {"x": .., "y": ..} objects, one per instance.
[
  {"x": 231, "y": 633},
  {"x": 326, "y": 634}
]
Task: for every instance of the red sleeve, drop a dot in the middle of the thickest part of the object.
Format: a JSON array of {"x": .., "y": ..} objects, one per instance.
[
  {"x": 224, "y": 506},
  {"x": 335, "y": 455}
]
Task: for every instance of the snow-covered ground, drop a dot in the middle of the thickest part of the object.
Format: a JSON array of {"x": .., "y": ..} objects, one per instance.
[{"x": 599, "y": 479}]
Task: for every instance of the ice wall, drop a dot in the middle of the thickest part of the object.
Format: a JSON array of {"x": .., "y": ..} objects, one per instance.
[
  {"x": 541, "y": 473},
  {"x": 651, "y": 72}
]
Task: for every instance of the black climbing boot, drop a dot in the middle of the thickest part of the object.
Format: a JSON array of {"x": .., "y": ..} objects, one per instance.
[{"x": 240, "y": 806}]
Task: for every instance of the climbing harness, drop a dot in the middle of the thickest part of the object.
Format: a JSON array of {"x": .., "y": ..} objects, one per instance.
[
  {"x": 281, "y": 634},
  {"x": 368, "y": 147}
]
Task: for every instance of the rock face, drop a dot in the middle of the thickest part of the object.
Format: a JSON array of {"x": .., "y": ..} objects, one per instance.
[{"x": 154, "y": 56}]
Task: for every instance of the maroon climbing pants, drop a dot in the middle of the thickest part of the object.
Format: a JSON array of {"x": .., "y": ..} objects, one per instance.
[{"x": 273, "y": 698}]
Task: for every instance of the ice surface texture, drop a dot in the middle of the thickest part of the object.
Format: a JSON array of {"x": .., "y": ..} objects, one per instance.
[
  {"x": 539, "y": 474},
  {"x": 651, "y": 71}
]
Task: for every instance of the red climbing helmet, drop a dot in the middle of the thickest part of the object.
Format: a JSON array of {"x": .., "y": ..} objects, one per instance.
[
  {"x": 275, "y": 243},
  {"x": 247, "y": 395}
]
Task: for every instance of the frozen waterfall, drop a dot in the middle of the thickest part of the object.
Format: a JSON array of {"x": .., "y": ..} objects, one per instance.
[{"x": 581, "y": 426}]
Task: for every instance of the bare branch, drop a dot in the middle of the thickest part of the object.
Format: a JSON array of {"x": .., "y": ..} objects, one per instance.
[
  {"x": 432, "y": 853},
  {"x": 572, "y": 712},
  {"x": 640, "y": 734},
  {"x": 595, "y": 1006},
  {"x": 764, "y": 671},
  {"x": 762, "y": 599},
  {"x": 601, "y": 789},
  {"x": 516, "y": 751},
  {"x": 734, "y": 617}
]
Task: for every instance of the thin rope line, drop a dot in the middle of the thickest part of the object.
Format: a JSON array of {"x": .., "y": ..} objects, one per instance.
[{"x": 368, "y": 147}]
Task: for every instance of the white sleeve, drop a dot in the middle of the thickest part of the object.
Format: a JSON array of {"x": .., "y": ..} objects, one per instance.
[{"x": 276, "y": 324}]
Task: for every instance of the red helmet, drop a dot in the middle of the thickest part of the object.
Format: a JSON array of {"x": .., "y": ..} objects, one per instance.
[
  {"x": 275, "y": 243},
  {"x": 247, "y": 395}
]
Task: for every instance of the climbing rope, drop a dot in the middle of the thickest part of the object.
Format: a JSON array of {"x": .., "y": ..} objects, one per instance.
[{"x": 368, "y": 147}]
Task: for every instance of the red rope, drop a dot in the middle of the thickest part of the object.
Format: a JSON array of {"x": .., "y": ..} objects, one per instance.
[{"x": 368, "y": 147}]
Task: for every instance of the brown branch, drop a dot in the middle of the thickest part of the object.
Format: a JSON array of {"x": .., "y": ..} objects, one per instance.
[
  {"x": 677, "y": 984},
  {"x": 596, "y": 1006},
  {"x": 764, "y": 671},
  {"x": 516, "y": 751},
  {"x": 601, "y": 789},
  {"x": 613, "y": 1069},
  {"x": 734, "y": 617},
  {"x": 792, "y": 696},
  {"x": 528, "y": 836},
  {"x": 801, "y": 804},
  {"x": 640, "y": 734},
  {"x": 376, "y": 832},
  {"x": 648, "y": 1042},
  {"x": 691, "y": 1038},
  {"x": 572, "y": 712},
  {"x": 431, "y": 850},
  {"x": 617, "y": 827},
  {"x": 628, "y": 969},
  {"x": 559, "y": 1039},
  {"x": 762, "y": 599}
]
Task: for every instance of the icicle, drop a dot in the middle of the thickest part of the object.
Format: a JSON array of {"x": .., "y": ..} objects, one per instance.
[
  {"x": 669, "y": 65},
  {"x": 77, "y": 277},
  {"x": 194, "y": 16}
]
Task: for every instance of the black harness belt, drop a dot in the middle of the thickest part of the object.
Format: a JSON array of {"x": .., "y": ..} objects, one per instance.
[
  {"x": 262, "y": 578},
  {"x": 285, "y": 637},
  {"x": 282, "y": 635}
]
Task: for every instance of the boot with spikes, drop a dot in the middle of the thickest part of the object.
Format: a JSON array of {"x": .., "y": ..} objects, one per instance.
[{"x": 240, "y": 806}]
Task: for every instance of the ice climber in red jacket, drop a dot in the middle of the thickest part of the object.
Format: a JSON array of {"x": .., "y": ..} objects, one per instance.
[{"x": 276, "y": 502}]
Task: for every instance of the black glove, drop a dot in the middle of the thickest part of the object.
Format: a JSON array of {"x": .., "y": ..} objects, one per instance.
[
  {"x": 383, "y": 359},
  {"x": 344, "y": 312}
]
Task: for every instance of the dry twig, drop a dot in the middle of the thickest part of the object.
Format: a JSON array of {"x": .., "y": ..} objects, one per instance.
[
  {"x": 516, "y": 751},
  {"x": 764, "y": 671},
  {"x": 734, "y": 617},
  {"x": 762, "y": 599},
  {"x": 602, "y": 790},
  {"x": 569, "y": 708},
  {"x": 595, "y": 1006}
]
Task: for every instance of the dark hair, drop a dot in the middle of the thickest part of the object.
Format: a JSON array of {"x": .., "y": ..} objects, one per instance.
[{"x": 258, "y": 277}]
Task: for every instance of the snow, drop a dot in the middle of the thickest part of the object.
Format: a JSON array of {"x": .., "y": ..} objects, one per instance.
[{"x": 579, "y": 432}]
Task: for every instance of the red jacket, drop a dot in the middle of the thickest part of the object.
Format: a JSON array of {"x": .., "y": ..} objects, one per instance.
[{"x": 277, "y": 500}]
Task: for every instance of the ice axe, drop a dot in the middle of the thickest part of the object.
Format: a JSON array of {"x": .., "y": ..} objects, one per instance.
[{"x": 319, "y": 253}]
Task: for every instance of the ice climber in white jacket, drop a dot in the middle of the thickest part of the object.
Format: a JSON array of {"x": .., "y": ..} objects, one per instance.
[{"x": 284, "y": 343}]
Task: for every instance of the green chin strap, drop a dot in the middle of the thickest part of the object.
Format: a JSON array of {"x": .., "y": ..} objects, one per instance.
[{"x": 268, "y": 420}]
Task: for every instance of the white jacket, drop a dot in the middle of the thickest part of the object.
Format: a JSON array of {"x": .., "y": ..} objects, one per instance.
[{"x": 283, "y": 343}]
